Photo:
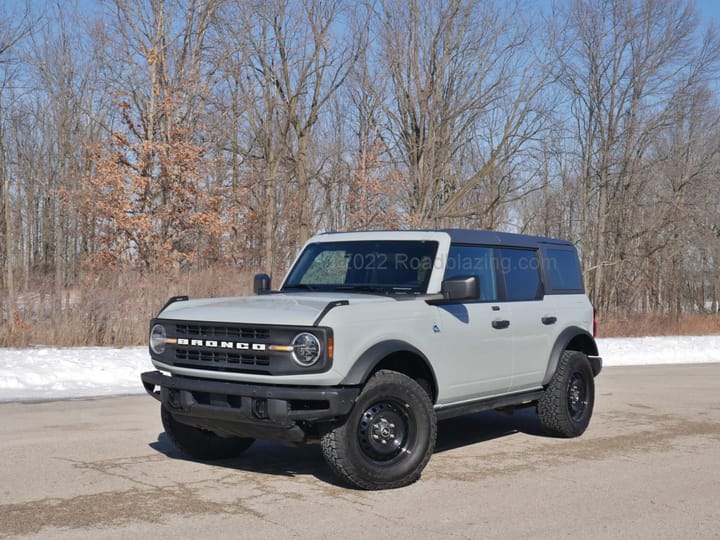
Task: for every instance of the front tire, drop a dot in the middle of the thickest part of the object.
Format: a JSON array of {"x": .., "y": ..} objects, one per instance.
[
  {"x": 199, "y": 443},
  {"x": 389, "y": 436},
  {"x": 567, "y": 404}
]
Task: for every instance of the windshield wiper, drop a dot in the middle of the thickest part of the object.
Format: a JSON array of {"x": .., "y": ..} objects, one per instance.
[
  {"x": 373, "y": 289},
  {"x": 363, "y": 288}
]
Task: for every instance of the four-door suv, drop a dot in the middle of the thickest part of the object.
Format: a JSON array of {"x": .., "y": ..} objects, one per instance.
[{"x": 373, "y": 337}]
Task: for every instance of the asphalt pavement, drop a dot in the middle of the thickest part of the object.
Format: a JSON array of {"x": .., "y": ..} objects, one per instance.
[{"x": 648, "y": 467}]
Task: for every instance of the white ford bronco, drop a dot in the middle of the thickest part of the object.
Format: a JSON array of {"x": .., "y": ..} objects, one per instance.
[{"x": 373, "y": 337}]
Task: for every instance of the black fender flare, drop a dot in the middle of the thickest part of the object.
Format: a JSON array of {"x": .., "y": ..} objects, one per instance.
[
  {"x": 586, "y": 344},
  {"x": 366, "y": 363}
]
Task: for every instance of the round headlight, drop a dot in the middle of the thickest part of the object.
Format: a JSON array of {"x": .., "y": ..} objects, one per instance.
[
  {"x": 158, "y": 339},
  {"x": 306, "y": 349}
]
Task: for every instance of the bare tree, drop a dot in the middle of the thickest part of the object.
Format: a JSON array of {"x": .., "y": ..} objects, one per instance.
[
  {"x": 11, "y": 33},
  {"x": 57, "y": 125},
  {"x": 462, "y": 99},
  {"x": 291, "y": 58},
  {"x": 623, "y": 64}
]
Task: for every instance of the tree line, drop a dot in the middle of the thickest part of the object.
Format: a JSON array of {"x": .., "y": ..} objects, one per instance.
[{"x": 172, "y": 137}]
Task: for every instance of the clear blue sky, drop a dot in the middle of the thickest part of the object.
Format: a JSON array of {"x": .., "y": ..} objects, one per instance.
[{"x": 709, "y": 11}]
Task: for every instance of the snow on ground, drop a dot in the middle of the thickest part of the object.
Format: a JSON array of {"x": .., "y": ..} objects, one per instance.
[
  {"x": 659, "y": 350},
  {"x": 48, "y": 373}
]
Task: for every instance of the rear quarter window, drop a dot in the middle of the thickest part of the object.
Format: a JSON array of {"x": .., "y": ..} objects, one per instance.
[{"x": 562, "y": 270}]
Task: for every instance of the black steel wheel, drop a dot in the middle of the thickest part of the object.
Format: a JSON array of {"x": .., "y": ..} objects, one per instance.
[
  {"x": 389, "y": 436},
  {"x": 386, "y": 431},
  {"x": 577, "y": 395},
  {"x": 567, "y": 404}
]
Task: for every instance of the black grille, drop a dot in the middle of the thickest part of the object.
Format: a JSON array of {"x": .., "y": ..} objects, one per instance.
[
  {"x": 238, "y": 347},
  {"x": 222, "y": 357},
  {"x": 222, "y": 332}
]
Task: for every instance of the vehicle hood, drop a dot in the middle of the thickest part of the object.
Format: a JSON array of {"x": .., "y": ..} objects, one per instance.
[{"x": 292, "y": 309}]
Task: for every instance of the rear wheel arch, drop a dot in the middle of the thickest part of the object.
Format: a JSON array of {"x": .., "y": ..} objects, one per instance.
[{"x": 572, "y": 338}]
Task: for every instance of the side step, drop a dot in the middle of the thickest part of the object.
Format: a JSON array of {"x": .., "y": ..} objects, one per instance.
[{"x": 521, "y": 399}]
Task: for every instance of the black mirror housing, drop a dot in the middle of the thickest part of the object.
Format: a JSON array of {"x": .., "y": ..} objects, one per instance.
[
  {"x": 461, "y": 288},
  {"x": 261, "y": 283}
]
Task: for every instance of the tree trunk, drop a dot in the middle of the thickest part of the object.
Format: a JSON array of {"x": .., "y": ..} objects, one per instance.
[{"x": 11, "y": 305}]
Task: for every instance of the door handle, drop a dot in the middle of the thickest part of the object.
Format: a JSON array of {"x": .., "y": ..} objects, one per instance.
[
  {"x": 499, "y": 324},
  {"x": 549, "y": 320}
]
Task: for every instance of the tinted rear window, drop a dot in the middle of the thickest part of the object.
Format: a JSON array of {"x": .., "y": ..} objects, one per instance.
[{"x": 563, "y": 270}]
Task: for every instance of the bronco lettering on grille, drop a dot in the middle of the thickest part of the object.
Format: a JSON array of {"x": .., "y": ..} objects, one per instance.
[{"x": 215, "y": 344}]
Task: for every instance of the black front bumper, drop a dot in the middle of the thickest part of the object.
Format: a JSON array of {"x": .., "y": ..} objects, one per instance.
[{"x": 258, "y": 411}]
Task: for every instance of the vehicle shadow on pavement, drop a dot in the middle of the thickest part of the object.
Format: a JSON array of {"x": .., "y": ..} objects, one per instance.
[
  {"x": 485, "y": 426},
  {"x": 265, "y": 457},
  {"x": 274, "y": 459}
]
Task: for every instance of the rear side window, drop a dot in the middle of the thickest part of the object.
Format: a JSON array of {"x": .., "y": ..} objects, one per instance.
[
  {"x": 562, "y": 269},
  {"x": 521, "y": 273}
]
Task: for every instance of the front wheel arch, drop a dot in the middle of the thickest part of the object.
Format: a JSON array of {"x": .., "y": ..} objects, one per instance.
[{"x": 398, "y": 356}]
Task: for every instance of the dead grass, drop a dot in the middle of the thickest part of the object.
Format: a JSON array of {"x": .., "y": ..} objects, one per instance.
[
  {"x": 659, "y": 325},
  {"x": 111, "y": 309}
]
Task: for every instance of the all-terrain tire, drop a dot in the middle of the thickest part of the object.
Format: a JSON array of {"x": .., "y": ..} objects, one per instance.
[
  {"x": 388, "y": 437},
  {"x": 566, "y": 407},
  {"x": 201, "y": 444}
]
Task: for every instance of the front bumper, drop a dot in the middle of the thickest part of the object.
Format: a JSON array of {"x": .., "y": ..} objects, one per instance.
[{"x": 272, "y": 412}]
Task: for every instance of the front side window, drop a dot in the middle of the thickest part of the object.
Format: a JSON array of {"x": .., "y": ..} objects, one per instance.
[
  {"x": 466, "y": 260},
  {"x": 387, "y": 267}
]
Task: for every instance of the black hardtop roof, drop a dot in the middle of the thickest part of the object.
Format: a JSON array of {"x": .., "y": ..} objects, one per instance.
[
  {"x": 481, "y": 236},
  {"x": 478, "y": 236}
]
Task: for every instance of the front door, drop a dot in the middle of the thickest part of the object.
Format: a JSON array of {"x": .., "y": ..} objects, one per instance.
[{"x": 477, "y": 356}]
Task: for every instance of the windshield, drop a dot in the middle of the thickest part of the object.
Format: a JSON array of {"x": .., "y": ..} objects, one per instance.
[{"x": 385, "y": 267}]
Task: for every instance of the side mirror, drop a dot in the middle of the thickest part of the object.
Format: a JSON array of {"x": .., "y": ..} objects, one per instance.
[
  {"x": 261, "y": 283},
  {"x": 461, "y": 288}
]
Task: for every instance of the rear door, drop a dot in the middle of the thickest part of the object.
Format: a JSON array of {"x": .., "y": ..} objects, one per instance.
[{"x": 523, "y": 291}]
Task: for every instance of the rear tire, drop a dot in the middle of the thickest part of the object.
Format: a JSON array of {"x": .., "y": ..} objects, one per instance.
[
  {"x": 567, "y": 404},
  {"x": 388, "y": 438},
  {"x": 199, "y": 443}
]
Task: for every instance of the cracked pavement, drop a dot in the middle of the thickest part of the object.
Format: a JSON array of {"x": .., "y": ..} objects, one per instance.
[{"x": 646, "y": 468}]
